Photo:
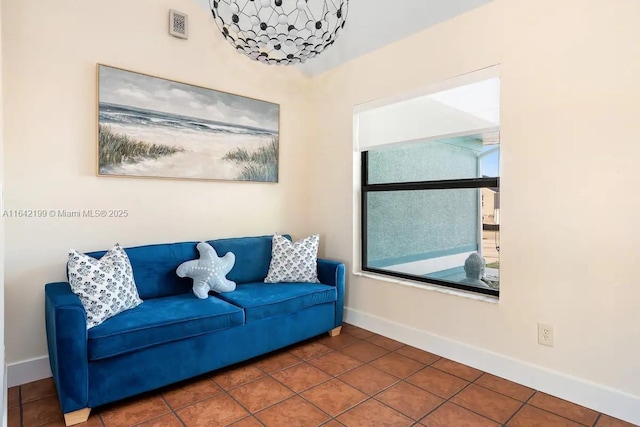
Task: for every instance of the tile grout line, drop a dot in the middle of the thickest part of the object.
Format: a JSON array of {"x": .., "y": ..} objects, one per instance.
[
  {"x": 453, "y": 403},
  {"x": 407, "y": 382},
  {"x": 243, "y": 384},
  {"x": 477, "y": 413},
  {"x": 331, "y": 417},
  {"x": 358, "y": 340},
  {"x": 331, "y": 377},
  {"x": 409, "y": 357},
  {"x": 595, "y": 423},
  {"x": 350, "y": 408},
  {"x": 520, "y": 408},
  {"x": 251, "y": 413},
  {"x": 41, "y": 398},
  {"x": 505, "y": 395},
  {"x": 448, "y": 400},
  {"x": 265, "y": 375},
  {"x": 299, "y": 394},
  {"x": 392, "y": 408},
  {"x": 150, "y": 419},
  {"x": 457, "y": 376},
  {"x": 343, "y": 372},
  {"x": 511, "y": 397},
  {"x": 20, "y": 403},
  {"x": 373, "y": 396},
  {"x": 255, "y": 418},
  {"x": 481, "y": 386},
  {"x": 227, "y": 392},
  {"x": 400, "y": 380},
  {"x": 245, "y": 418},
  {"x": 502, "y": 394},
  {"x": 376, "y": 358},
  {"x": 514, "y": 414},
  {"x": 335, "y": 377},
  {"x": 316, "y": 356},
  {"x": 523, "y": 405},
  {"x": 173, "y": 411},
  {"x": 562, "y": 416},
  {"x": 308, "y": 388},
  {"x": 190, "y": 403},
  {"x": 434, "y": 409},
  {"x": 175, "y": 414},
  {"x": 369, "y": 397},
  {"x": 143, "y": 421},
  {"x": 285, "y": 386}
]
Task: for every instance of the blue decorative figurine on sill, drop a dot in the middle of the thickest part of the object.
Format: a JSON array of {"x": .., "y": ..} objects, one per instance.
[{"x": 208, "y": 272}]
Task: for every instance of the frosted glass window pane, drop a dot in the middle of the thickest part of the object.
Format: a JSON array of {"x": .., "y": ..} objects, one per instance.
[
  {"x": 472, "y": 156},
  {"x": 430, "y": 234}
]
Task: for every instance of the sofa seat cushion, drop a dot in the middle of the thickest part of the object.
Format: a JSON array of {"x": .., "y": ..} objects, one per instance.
[
  {"x": 262, "y": 300},
  {"x": 160, "y": 320}
]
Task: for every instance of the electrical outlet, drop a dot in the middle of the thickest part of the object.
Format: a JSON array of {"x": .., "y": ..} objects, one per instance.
[{"x": 545, "y": 334}]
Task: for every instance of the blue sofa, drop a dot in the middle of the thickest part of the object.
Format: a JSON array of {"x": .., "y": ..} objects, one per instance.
[{"x": 173, "y": 335}]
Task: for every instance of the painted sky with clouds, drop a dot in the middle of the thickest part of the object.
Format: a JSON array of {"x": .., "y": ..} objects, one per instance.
[{"x": 140, "y": 91}]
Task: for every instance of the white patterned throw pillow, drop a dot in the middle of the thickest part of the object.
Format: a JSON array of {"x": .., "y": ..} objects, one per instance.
[
  {"x": 293, "y": 262},
  {"x": 105, "y": 286}
]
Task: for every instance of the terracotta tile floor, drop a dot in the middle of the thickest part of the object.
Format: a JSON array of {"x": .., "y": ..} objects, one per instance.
[{"x": 355, "y": 379}]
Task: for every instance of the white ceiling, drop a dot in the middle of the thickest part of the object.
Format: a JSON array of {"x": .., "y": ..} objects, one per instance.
[{"x": 372, "y": 24}]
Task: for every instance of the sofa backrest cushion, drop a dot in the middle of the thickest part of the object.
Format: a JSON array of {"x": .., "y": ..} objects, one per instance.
[
  {"x": 253, "y": 255},
  {"x": 154, "y": 266}
]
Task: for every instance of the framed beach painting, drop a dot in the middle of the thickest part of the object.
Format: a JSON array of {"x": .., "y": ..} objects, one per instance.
[{"x": 153, "y": 127}]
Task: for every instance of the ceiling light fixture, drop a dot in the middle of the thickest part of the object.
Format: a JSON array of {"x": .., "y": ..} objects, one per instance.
[{"x": 280, "y": 31}]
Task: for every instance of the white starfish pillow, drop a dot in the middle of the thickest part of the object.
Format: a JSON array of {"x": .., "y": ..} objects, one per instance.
[{"x": 208, "y": 272}]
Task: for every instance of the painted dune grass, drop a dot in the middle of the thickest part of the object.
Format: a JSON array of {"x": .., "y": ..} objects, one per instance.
[
  {"x": 115, "y": 148},
  {"x": 258, "y": 165}
]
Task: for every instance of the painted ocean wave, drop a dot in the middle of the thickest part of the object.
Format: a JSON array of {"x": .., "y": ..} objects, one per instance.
[{"x": 126, "y": 115}]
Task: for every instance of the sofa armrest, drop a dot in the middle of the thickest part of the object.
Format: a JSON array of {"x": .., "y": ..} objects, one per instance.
[
  {"x": 66, "y": 325},
  {"x": 333, "y": 273}
]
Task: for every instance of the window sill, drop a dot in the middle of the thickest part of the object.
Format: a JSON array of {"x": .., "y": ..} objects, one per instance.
[{"x": 428, "y": 287}]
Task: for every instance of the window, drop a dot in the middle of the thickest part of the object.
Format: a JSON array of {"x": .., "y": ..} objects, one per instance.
[{"x": 430, "y": 194}]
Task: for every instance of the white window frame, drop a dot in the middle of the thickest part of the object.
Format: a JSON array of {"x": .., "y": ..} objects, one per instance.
[{"x": 461, "y": 80}]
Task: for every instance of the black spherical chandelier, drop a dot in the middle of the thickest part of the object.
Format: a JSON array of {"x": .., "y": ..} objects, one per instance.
[{"x": 280, "y": 31}]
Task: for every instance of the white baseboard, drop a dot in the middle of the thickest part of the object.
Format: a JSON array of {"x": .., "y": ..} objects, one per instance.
[
  {"x": 19, "y": 373},
  {"x": 600, "y": 398}
]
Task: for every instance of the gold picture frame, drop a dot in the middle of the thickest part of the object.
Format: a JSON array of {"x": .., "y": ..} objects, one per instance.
[{"x": 151, "y": 127}]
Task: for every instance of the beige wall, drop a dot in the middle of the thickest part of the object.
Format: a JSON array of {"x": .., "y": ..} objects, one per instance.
[
  {"x": 570, "y": 126},
  {"x": 569, "y": 129},
  {"x": 3, "y": 378},
  {"x": 50, "y": 51}
]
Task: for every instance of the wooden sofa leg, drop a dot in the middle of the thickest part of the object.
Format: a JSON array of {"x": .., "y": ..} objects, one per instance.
[
  {"x": 335, "y": 331},
  {"x": 77, "y": 417}
]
